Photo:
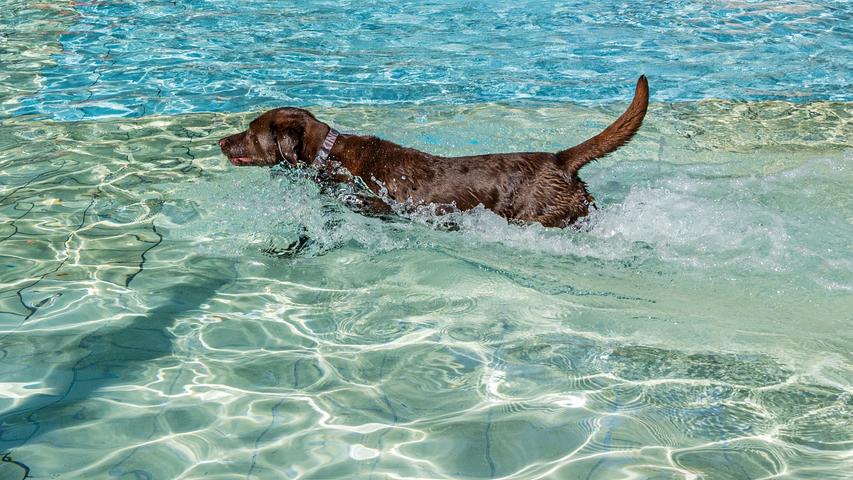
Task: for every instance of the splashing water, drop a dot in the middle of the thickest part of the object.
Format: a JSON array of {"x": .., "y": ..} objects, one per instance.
[{"x": 695, "y": 325}]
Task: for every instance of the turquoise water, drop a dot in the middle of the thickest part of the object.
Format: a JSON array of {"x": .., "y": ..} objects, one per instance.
[
  {"x": 696, "y": 326},
  {"x": 163, "y": 57}
]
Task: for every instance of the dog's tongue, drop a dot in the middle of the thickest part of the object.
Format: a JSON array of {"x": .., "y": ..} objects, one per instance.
[{"x": 238, "y": 161}]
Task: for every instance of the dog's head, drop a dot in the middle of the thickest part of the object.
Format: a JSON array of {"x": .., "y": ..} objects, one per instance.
[{"x": 275, "y": 136}]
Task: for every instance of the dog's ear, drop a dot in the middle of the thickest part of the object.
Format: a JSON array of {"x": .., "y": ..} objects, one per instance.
[{"x": 289, "y": 142}]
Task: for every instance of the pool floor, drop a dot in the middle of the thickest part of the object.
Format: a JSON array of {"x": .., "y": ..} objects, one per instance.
[{"x": 695, "y": 326}]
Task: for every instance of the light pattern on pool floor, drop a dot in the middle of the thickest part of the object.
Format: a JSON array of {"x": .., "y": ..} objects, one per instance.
[{"x": 145, "y": 333}]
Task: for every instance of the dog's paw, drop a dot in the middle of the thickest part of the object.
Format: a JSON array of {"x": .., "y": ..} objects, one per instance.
[{"x": 294, "y": 249}]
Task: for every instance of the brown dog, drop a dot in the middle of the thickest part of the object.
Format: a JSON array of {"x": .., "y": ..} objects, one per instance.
[{"x": 525, "y": 187}]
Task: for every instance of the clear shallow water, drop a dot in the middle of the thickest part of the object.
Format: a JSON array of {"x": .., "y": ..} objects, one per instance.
[{"x": 697, "y": 327}]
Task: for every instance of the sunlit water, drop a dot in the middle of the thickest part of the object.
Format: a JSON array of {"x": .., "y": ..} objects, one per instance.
[{"x": 697, "y": 325}]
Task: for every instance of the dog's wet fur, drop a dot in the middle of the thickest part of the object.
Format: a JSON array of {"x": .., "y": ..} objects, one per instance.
[{"x": 524, "y": 187}]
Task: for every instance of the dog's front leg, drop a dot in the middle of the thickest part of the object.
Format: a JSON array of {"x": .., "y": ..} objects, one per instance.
[{"x": 370, "y": 206}]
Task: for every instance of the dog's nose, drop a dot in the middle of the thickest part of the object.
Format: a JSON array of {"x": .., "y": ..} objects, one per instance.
[{"x": 222, "y": 143}]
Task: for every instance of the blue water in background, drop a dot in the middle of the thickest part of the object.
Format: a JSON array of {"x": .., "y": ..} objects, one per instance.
[{"x": 156, "y": 57}]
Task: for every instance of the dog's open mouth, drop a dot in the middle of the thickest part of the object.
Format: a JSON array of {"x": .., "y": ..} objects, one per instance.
[{"x": 240, "y": 161}]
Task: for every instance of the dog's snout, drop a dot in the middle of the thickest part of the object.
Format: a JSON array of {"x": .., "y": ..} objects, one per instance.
[{"x": 222, "y": 143}]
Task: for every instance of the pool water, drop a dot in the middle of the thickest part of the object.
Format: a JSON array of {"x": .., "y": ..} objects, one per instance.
[
  {"x": 163, "y": 57},
  {"x": 697, "y": 325}
]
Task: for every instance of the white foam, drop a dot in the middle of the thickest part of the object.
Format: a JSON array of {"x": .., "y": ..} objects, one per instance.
[{"x": 690, "y": 220}]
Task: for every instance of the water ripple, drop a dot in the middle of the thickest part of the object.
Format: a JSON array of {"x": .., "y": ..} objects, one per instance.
[{"x": 146, "y": 334}]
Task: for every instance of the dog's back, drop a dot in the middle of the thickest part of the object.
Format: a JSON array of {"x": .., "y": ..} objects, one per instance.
[{"x": 526, "y": 186}]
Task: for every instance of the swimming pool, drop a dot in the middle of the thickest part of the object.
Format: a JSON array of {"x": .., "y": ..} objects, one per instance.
[{"x": 697, "y": 327}]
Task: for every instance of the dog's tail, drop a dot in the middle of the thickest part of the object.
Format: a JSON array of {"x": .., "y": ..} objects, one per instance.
[{"x": 613, "y": 137}]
